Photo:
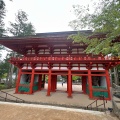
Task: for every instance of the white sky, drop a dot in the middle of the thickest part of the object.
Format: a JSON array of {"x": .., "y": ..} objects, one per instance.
[{"x": 45, "y": 15}]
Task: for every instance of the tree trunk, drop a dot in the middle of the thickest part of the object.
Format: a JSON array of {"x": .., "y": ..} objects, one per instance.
[
  {"x": 116, "y": 76},
  {"x": 110, "y": 72},
  {"x": 9, "y": 82}
]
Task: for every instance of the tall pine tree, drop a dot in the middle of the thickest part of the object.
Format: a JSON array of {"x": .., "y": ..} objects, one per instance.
[
  {"x": 2, "y": 15},
  {"x": 21, "y": 27}
]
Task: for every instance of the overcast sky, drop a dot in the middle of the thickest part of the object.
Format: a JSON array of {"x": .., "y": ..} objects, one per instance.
[{"x": 45, "y": 15}]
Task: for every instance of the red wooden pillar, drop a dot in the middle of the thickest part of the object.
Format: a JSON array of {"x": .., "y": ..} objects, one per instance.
[
  {"x": 43, "y": 81},
  {"x": 108, "y": 83},
  {"x": 84, "y": 82},
  {"x": 90, "y": 84},
  {"x": 39, "y": 82},
  {"x": 69, "y": 83},
  {"x": 18, "y": 80},
  {"x": 32, "y": 81},
  {"x": 53, "y": 83},
  {"x": 49, "y": 83},
  {"x": 56, "y": 82}
]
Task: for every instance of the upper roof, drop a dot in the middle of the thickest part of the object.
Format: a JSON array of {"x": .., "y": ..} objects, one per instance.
[
  {"x": 49, "y": 35},
  {"x": 20, "y": 44},
  {"x": 64, "y": 33}
]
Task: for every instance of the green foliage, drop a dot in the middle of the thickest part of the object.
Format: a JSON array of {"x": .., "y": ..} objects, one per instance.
[
  {"x": 64, "y": 77},
  {"x": 2, "y": 15},
  {"x": 4, "y": 68},
  {"x": 22, "y": 27},
  {"x": 104, "y": 19},
  {"x": 75, "y": 77},
  {"x": 1, "y": 4},
  {"x": 2, "y": 86}
]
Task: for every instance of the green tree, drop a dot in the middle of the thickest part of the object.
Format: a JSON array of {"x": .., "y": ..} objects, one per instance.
[
  {"x": 2, "y": 15},
  {"x": 104, "y": 20},
  {"x": 1, "y": 4},
  {"x": 21, "y": 27},
  {"x": 4, "y": 67}
]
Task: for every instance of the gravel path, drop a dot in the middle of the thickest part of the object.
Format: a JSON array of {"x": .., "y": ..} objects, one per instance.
[{"x": 15, "y": 111}]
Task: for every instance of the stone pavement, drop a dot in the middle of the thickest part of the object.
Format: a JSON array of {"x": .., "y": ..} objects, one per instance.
[{"x": 59, "y": 97}]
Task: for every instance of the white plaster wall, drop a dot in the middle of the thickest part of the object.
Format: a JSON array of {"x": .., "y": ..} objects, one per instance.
[
  {"x": 103, "y": 81},
  {"x": 94, "y": 65},
  {"x": 74, "y": 68},
  {"x": 94, "y": 68},
  {"x": 100, "y": 64},
  {"x": 55, "y": 68},
  {"x": 75, "y": 65},
  {"x": 29, "y": 68},
  {"x": 22, "y": 79},
  {"x": 83, "y": 68},
  {"x": 63, "y": 64},
  {"x": 45, "y": 68},
  {"x": 82, "y": 64},
  {"x": 101, "y": 68},
  {"x": 24, "y": 67},
  {"x": 38, "y": 68},
  {"x": 36, "y": 78},
  {"x": 63, "y": 68}
]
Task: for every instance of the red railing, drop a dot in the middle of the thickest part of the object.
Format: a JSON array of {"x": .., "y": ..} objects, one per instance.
[{"x": 64, "y": 58}]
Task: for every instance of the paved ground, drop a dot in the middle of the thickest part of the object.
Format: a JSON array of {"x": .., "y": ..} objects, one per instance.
[
  {"x": 59, "y": 97},
  {"x": 13, "y": 111}
]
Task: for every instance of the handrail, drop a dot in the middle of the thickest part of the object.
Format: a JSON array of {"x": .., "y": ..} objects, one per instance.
[
  {"x": 103, "y": 98},
  {"x": 12, "y": 96},
  {"x": 4, "y": 98}
]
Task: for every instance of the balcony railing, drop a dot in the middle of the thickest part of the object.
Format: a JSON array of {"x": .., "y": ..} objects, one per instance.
[{"x": 63, "y": 58}]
